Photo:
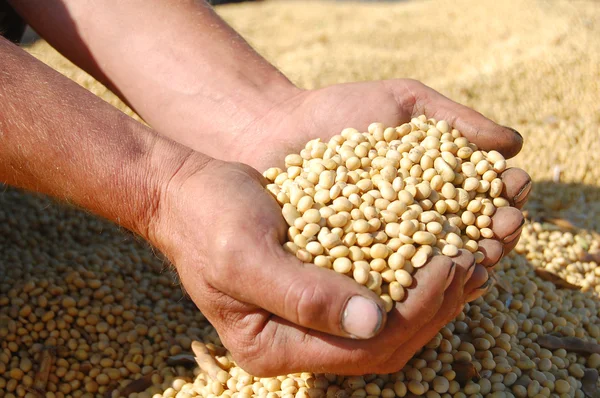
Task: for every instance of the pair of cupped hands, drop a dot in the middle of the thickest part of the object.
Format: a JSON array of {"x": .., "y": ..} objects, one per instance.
[{"x": 277, "y": 315}]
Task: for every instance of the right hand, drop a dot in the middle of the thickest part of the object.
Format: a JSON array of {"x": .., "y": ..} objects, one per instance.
[{"x": 223, "y": 231}]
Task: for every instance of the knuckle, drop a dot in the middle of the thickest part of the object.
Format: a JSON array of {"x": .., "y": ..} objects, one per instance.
[
  {"x": 303, "y": 302},
  {"x": 513, "y": 212},
  {"x": 250, "y": 171},
  {"x": 238, "y": 327},
  {"x": 442, "y": 262},
  {"x": 420, "y": 93},
  {"x": 226, "y": 244},
  {"x": 520, "y": 216},
  {"x": 255, "y": 353},
  {"x": 246, "y": 348},
  {"x": 227, "y": 310},
  {"x": 413, "y": 83},
  {"x": 225, "y": 250}
]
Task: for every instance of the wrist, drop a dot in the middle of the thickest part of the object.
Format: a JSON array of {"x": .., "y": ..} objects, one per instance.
[
  {"x": 220, "y": 110},
  {"x": 127, "y": 189},
  {"x": 168, "y": 167}
]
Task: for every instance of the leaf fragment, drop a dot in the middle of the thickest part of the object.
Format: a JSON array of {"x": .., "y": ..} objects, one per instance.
[
  {"x": 138, "y": 385},
  {"x": 561, "y": 223},
  {"x": 588, "y": 257},
  {"x": 135, "y": 386},
  {"x": 46, "y": 360},
  {"x": 557, "y": 280},
  {"x": 589, "y": 383},
  {"x": 570, "y": 344},
  {"x": 186, "y": 360}
]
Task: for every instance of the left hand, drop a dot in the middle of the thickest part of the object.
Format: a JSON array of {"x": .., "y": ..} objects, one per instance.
[{"x": 323, "y": 113}]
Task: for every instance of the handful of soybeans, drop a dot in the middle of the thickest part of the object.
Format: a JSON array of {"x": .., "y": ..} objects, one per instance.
[{"x": 377, "y": 205}]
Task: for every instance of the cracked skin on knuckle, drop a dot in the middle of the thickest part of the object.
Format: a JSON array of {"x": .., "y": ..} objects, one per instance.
[{"x": 302, "y": 301}]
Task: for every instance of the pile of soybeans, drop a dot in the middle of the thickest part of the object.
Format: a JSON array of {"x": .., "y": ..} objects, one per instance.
[
  {"x": 378, "y": 205},
  {"x": 87, "y": 310}
]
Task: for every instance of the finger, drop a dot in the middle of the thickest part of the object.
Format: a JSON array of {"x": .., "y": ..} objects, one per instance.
[
  {"x": 493, "y": 250},
  {"x": 478, "y": 285},
  {"x": 480, "y": 130},
  {"x": 475, "y": 282},
  {"x": 511, "y": 245},
  {"x": 478, "y": 278},
  {"x": 262, "y": 343},
  {"x": 507, "y": 223},
  {"x": 517, "y": 186},
  {"x": 250, "y": 265},
  {"x": 280, "y": 340},
  {"x": 424, "y": 298},
  {"x": 465, "y": 263},
  {"x": 267, "y": 345},
  {"x": 302, "y": 293},
  {"x": 452, "y": 303},
  {"x": 408, "y": 318}
]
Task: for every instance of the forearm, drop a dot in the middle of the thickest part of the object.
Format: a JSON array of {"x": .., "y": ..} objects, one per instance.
[
  {"x": 58, "y": 139},
  {"x": 176, "y": 62}
]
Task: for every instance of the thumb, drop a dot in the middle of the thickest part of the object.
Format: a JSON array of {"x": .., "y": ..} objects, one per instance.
[
  {"x": 304, "y": 294},
  {"x": 478, "y": 129}
]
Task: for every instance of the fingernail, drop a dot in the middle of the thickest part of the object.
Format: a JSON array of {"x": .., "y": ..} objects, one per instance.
[
  {"x": 501, "y": 256},
  {"x": 486, "y": 285},
  {"x": 470, "y": 270},
  {"x": 450, "y": 276},
  {"x": 516, "y": 132},
  {"x": 480, "y": 291},
  {"x": 511, "y": 237},
  {"x": 522, "y": 193},
  {"x": 362, "y": 318}
]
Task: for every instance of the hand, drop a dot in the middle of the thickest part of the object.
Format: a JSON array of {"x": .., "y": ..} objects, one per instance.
[
  {"x": 223, "y": 231},
  {"x": 325, "y": 112}
]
